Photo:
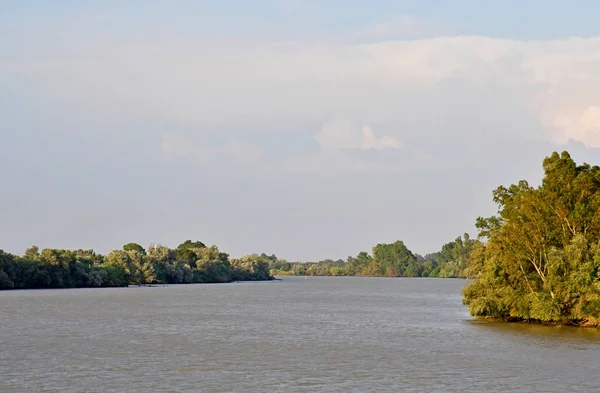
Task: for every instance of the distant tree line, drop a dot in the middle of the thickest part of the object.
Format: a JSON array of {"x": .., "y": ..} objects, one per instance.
[
  {"x": 388, "y": 260},
  {"x": 190, "y": 262}
]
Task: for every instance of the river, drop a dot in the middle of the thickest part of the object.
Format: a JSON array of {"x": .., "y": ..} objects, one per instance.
[{"x": 321, "y": 334}]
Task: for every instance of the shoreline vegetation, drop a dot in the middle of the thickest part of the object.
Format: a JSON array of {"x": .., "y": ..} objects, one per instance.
[
  {"x": 195, "y": 263},
  {"x": 537, "y": 260},
  {"x": 387, "y": 260},
  {"x": 191, "y": 262}
]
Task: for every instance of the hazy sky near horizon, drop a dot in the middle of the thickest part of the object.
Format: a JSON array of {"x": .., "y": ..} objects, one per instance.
[{"x": 309, "y": 129}]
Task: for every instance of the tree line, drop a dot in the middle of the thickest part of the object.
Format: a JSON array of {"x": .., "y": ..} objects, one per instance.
[
  {"x": 190, "y": 262},
  {"x": 388, "y": 260},
  {"x": 194, "y": 262}
]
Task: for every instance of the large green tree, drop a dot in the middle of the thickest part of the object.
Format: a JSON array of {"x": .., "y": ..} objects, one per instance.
[
  {"x": 453, "y": 259},
  {"x": 213, "y": 265},
  {"x": 135, "y": 265},
  {"x": 189, "y": 251},
  {"x": 542, "y": 256},
  {"x": 251, "y": 267},
  {"x": 394, "y": 260}
]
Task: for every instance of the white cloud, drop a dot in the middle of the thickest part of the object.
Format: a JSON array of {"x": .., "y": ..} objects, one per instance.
[
  {"x": 371, "y": 142},
  {"x": 336, "y": 137},
  {"x": 217, "y": 84},
  {"x": 339, "y": 134},
  {"x": 579, "y": 126}
]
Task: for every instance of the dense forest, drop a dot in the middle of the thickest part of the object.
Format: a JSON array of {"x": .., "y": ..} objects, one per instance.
[
  {"x": 540, "y": 256},
  {"x": 191, "y": 262},
  {"x": 388, "y": 260}
]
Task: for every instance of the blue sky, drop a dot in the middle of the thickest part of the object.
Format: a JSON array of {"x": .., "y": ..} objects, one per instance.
[
  {"x": 308, "y": 129},
  {"x": 528, "y": 19}
]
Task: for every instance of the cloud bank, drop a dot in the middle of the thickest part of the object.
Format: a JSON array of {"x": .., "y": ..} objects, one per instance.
[{"x": 211, "y": 84}]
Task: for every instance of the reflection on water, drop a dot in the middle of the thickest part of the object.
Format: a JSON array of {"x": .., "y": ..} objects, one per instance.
[
  {"x": 558, "y": 338},
  {"x": 539, "y": 332},
  {"x": 333, "y": 334}
]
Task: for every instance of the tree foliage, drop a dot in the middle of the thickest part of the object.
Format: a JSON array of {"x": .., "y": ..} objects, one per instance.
[
  {"x": 192, "y": 262},
  {"x": 388, "y": 260},
  {"x": 542, "y": 256},
  {"x": 134, "y": 247}
]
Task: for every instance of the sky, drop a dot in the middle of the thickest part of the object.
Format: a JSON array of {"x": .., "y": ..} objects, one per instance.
[{"x": 301, "y": 128}]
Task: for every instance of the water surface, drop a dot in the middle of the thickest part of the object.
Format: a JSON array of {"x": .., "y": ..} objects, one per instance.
[{"x": 326, "y": 334}]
